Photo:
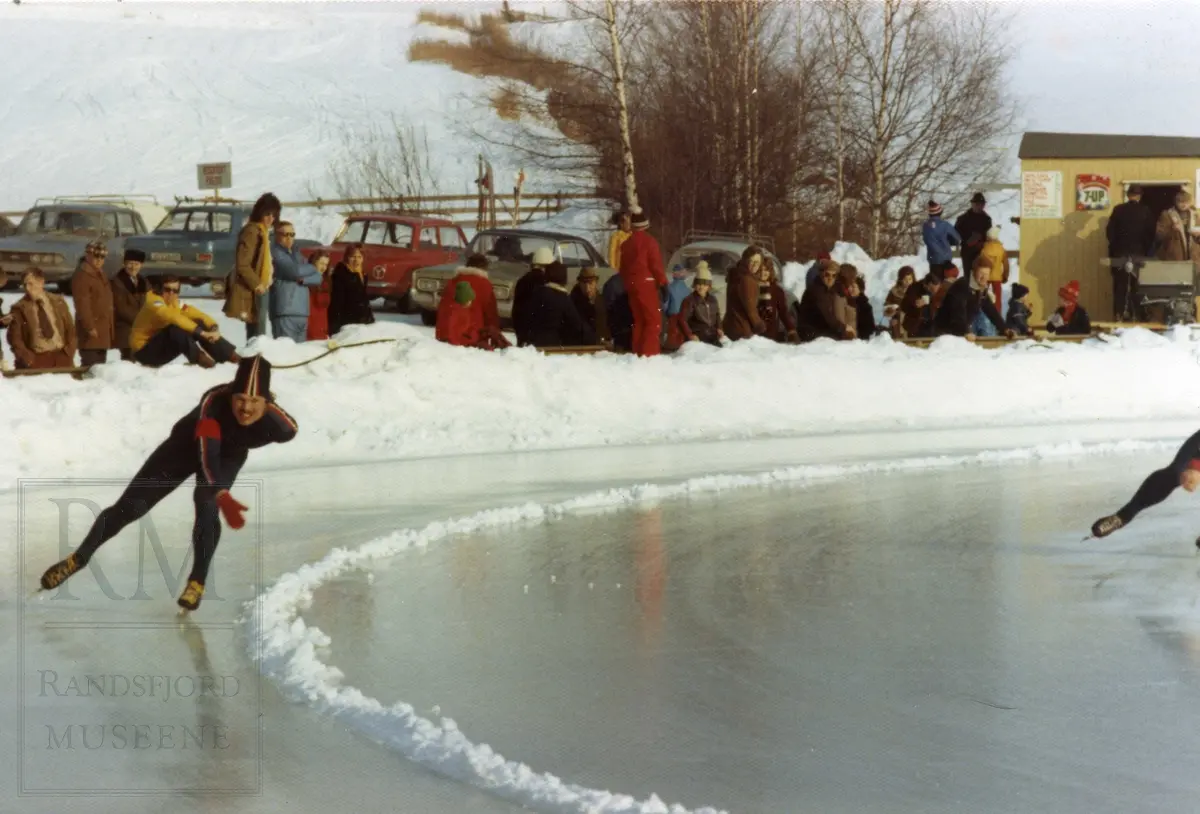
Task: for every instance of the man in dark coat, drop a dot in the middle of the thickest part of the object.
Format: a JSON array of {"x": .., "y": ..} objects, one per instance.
[
  {"x": 211, "y": 443},
  {"x": 963, "y": 302},
  {"x": 530, "y": 282},
  {"x": 972, "y": 226},
  {"x": 818, "y": 310},
  {"x": 1130, "y": 233},
  {"x": 554, "y": 321},
  {"x": 618, "y": 313},
  {"x": 129, "y": 289}
]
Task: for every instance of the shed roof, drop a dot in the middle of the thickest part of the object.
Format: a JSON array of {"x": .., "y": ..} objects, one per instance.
[{"x": 1093, "y": 145}]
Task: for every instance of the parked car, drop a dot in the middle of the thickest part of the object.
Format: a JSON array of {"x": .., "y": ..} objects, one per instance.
[
  {"x": 721, "y": 251},
  {"x": 197, "y": 242},
  {"x": 395, "y": 244},
  {"x": 53, "y": 235},
  {"x": 509, "y": 252}
]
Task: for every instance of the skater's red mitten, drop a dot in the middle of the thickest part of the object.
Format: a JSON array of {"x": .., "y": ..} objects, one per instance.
[{"x": 231, "y": 510}]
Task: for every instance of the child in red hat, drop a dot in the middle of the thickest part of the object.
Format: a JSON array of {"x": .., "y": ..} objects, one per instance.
[{"x": 1070, "y": 318}]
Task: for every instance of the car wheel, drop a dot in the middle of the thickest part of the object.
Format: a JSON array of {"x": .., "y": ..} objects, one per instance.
[
  {"x": 218, "y": 289},
  {"x": 428, "y": 317},
  {"x": 64, "y": 288},
  {"x": 405, "y": 304}
]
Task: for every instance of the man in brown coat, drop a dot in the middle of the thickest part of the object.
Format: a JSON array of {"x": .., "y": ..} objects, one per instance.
[
  {"x": 94, "y": 318},
  {"x": 42, "y": 333},
  {"x": 820, "y": 313},
  {"x": 246, "y": 291},
  {"x": 1177, "y": 231},
  {"x": 129, "y": 294}
]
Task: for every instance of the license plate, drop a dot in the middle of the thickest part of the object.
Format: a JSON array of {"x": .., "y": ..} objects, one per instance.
[{"x": 165, "y": 257}]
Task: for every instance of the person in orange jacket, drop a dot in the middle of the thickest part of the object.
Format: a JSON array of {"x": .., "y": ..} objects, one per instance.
[
  {"x": 475, "y": 275},
  {"x": 643, "y": 274}
]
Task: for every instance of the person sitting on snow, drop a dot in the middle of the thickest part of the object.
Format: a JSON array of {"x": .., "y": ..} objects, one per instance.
[
  {"x": 165, "y": 330},
  {"x": 965, "y": 300},
  {"x": 1070, "y": 318},
  {"x": 475, "y": 276},
  {"x": 554, "y": 322},
  {"x": 589, "y": 304},
  {"x": 916, "y": 309},
  {"x": 530, "y": 282},
  {"x": 891, "y": 305},
  {"x": 1019, "y": 313},
  {"x": 699, "y": 317},
  {"x": 460, "y": 322}
]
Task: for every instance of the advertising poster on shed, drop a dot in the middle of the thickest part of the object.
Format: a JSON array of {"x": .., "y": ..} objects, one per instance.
[
  {"x": 1041, "y": 195},
  {"x": 1091, "y": 192}
]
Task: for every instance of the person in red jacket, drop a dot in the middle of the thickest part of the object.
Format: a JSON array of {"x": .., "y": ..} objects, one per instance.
[
  {"x": 643, "y": 274},
  {"x": 318, "y": 299},
  {"x": 475, "y": 275}
]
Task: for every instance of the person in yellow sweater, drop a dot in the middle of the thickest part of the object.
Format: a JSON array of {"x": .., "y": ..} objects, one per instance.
[
  {"x": 624, "y": 223},
  {"x": 165, "y": 330},
  {"x": 997, "y": 259}
]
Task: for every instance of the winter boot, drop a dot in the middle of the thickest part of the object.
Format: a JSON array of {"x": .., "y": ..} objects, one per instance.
[
  {"x": 204, "y": 360},
  {"x": 190, "y": 598},
  {"x": 57, "y": 574},
  {"x": 1107, "y": 525}
]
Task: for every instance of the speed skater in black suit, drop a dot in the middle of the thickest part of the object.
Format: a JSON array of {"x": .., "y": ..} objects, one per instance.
[
  {"x": 212, "y": 443},
  {"x": 1183, "y": 472}
]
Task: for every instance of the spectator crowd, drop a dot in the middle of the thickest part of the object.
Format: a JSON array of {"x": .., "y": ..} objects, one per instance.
[{"x": 273, "y": 287}]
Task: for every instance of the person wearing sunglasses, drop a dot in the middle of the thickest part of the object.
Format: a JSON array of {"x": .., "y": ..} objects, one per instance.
[
  {"x": 165, "y": 329},
  {"x": 289, "y": 299},
  {"x": 95, "y": 322}
]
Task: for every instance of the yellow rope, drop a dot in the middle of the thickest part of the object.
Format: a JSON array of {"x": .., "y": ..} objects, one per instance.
[{"x": 334, "y": 346}]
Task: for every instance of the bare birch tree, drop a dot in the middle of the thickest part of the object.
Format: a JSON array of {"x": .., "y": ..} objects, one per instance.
[{"x": 631, "y": 197}]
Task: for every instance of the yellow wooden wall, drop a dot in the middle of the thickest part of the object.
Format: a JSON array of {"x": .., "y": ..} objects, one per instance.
[{"x": 1054, "y": 251}]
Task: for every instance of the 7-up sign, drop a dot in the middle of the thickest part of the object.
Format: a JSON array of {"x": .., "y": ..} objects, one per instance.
[{"x": 1091, "y": 192}]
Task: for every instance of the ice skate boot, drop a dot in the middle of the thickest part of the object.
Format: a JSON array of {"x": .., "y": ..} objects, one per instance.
[
  {"x": 189, "y": 600},
  {"x": 1107, "y": 525},
  {"x": 57, "y": 574}
]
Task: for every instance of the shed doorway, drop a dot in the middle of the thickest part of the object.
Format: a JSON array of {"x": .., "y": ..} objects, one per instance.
[{"x": 1160, "y": 197}]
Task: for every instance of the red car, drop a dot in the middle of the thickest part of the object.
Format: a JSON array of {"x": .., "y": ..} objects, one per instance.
[{"x": 394, "y": 246}]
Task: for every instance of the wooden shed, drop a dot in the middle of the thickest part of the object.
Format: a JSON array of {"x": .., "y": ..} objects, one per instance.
[{"x": 1069, "y": 184}]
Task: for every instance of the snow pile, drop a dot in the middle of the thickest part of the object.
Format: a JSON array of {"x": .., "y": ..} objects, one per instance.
[
  {"x": 880, "y": 275},
  {"x": 292, "y": 650},
  {"x": 418, "y": 397}
]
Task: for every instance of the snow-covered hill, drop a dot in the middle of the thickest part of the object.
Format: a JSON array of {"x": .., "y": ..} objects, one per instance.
[{"x": 107, "y": 97}]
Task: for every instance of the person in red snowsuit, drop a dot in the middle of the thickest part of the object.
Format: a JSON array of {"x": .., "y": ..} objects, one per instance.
[
  {"x": 643, "y": 274},
  {"x": 486, "y": 315},
  {"x": 460, "y": 321}
]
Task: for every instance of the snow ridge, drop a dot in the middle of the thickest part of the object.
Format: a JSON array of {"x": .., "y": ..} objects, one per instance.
[{"x": 291, "y": 650}]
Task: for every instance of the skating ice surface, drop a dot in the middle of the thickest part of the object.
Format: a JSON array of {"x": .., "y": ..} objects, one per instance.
[{"x": 927, "y": 641}]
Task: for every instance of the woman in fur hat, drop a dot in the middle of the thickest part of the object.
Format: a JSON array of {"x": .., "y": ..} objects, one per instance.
[
  {"x": 212, "y": 443},
  {"x": 779, "y": 323}
]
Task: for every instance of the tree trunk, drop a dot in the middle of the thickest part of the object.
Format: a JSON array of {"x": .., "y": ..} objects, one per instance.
[
  {"x": 714, "y": 119},
  {"x": 755, "y": 152},
  {"x": 631, "y": 199}
]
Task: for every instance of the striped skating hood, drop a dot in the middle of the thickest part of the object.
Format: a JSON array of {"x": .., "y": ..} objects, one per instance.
[{"x": 253, "y": 377}]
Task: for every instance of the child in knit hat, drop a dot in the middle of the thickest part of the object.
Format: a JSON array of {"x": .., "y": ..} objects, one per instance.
[
  {"x": 1070, "y": 318},
  {"x": 1019, "y": 313}
]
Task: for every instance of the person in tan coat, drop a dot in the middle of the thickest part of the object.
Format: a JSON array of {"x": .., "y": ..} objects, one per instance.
[
  {"x": 129, "y": 295},
  {"x": 41, "y": 333},
  {"x": 246, "y": 290},
  {"x": 1177, "y": 231},
  {"x": 742, "y": 320},
  {"x": 94, "y": 318}
]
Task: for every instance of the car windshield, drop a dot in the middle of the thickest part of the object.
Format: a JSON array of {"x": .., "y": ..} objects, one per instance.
[
  {"x": 508, "y": 248},
  {"x": 60, "y": 222},
  {"x": 196, "y": 220}
]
